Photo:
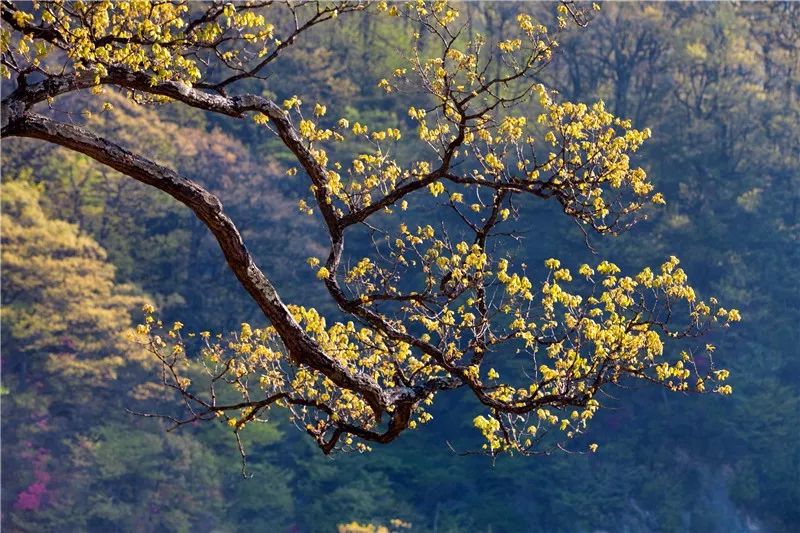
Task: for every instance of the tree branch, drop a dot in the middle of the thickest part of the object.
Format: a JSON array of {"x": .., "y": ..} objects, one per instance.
[{"x": 208, "y": 209}]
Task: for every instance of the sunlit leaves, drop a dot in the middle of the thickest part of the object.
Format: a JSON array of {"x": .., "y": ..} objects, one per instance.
[
  {"x": 60, "y": 301},
  {"x": 437, "y": 304}
]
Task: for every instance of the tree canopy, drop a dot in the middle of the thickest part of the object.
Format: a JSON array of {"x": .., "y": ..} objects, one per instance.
[{"x": 420, "y": 308}]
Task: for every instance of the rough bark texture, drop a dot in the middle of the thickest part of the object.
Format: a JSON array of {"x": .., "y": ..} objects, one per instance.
[{"x": 208, "y": 209}]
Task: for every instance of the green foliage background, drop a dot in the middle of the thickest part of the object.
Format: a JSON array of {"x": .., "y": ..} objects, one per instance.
[{"x": 719, "y": 84}]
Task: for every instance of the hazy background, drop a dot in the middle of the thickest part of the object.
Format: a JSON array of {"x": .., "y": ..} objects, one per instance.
[{"x": 718, "y": 83}]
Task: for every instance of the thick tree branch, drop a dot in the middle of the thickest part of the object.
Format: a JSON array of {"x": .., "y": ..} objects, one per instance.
[
  {"x": 474, "y": 307},
  {"x": 207, "y": 208}
]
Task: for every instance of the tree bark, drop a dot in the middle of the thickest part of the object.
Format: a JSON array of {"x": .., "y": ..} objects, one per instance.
[{"x": 208, "y": 208}]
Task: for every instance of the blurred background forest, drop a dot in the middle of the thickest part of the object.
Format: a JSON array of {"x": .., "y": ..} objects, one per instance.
[{"x": 718, "y": 83}]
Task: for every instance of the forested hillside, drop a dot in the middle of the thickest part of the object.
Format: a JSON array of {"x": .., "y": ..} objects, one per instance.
[{"x": 85, "y": 249}]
